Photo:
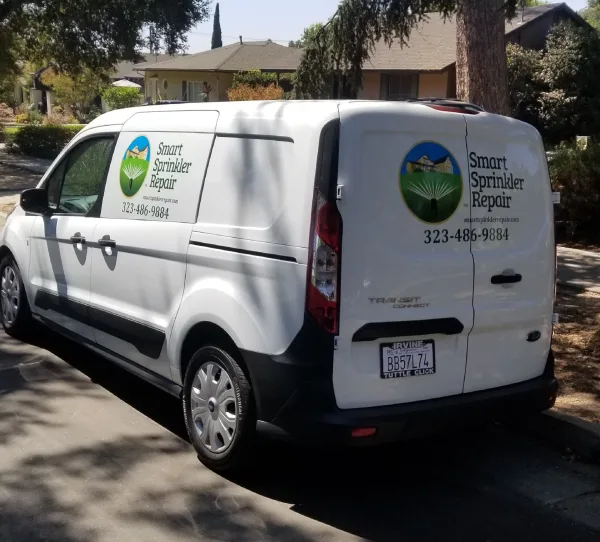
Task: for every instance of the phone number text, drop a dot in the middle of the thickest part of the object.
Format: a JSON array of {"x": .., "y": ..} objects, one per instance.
[
  {"x": 155, "y": 211},
  {"x": 466, "y": 235}
]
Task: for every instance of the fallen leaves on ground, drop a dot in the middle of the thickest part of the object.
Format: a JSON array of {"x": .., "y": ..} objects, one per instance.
[{"x": 577, "y": 353}]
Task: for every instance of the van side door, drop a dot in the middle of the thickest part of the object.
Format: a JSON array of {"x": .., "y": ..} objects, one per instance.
[
  {"x": 151, "y": 202},
  {"x": 61, "y": 243}
]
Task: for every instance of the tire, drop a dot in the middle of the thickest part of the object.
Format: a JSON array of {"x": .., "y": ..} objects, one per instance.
[
  {"x": 14, "y": 308},
  {"x": 223, "y": 424}
]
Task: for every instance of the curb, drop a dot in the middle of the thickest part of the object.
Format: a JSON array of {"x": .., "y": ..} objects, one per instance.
[{"x": 568, "y": 433}]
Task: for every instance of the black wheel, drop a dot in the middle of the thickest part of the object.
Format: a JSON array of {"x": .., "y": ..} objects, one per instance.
[
  {"x": 16, "y": 316},
  {"x": 218, "y": 407}
]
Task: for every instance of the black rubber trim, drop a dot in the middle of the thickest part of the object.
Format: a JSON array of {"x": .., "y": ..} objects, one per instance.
[
  {"x": 63, "y": 305},
  {"x": 263, "y": 137},
  {"x": 310, "y": 413},
  {"x": 269, "y": 255},
  {"x": 149, "y": 376},
  {"x": 146, "y": 339},
  {"x": 506, "y": 279},
  {"x": 410, "y": 328},
  {"x": 276, "y": 378}
]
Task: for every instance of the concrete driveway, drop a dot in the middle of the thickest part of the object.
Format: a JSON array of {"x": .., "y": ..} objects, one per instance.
[{"x": 90, "y": 453}]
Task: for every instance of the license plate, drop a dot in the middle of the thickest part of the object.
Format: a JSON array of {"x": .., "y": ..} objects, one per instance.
[{"x": 407, "y": 358}]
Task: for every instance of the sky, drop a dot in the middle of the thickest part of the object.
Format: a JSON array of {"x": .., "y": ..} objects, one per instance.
[{"x": 278, "y": 20}]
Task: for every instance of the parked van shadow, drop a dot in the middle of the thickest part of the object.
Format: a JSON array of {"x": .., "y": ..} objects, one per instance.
[
  {"x": 430, "y": 489},
  {"x": 161, "y": 407}
]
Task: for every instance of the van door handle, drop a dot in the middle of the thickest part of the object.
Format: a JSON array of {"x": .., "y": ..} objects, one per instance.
[
  {"x": 507, "y": 279},
  {"x": 76, "y": 239},
  {"x": 410, "y": 328},
  {"x": 110, "y": 243}
]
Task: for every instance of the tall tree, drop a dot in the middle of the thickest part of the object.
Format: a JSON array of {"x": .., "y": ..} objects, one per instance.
[
  {"x": 93, "y": 33},
  {"x": 309, "y": 34},
  {"x": 481, "y": 74},
  {"x": 217, "y": 39},
  {"x": 335, "y": 57},
  {"x": 592, "y": 13}
]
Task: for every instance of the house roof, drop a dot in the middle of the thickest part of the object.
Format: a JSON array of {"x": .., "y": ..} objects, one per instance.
[
  {"x": 259, "y": 55},
  {"x": 432, "y": 45},
  {"x": 129, "y": 70}
]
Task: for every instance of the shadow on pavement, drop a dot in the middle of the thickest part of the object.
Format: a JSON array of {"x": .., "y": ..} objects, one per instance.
[{"x": 424, "y": 490}]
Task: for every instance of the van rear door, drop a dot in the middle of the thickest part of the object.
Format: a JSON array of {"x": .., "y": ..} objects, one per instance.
[
  {"x": 512, "y": 240},
  {"x": 406, "y": 267}
]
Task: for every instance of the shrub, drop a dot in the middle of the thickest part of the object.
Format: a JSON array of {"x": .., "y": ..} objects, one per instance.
[
  {"x": 254, "y": 78},
  {"x": 121, "y": 97},
  {"x": 575, "y": 173},
  {"x": 558, "y": 91},
  {"x": 21, "y": 118},
  {"x": 58, "y": 116},
  {"x": 44, "y": 141},
  {"x": 247, "y": 93},
  {"x": 6, "y": 113},
  {"x": 34, "y": 117}
]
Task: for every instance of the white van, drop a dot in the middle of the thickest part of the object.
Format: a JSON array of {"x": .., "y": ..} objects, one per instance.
[{"x": 350, "y": 272}]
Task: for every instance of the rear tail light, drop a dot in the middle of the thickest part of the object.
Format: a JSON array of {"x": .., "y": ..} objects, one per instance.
[{"x": 322, "y": 296}]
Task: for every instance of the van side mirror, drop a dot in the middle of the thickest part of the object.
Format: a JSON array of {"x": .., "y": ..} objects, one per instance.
[{"x": 35, "y": 201}]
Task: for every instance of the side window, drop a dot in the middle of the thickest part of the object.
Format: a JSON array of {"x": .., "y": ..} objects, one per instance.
[
  {"x": 84, "y": 174},
  {"x": 54, "y": 183}
]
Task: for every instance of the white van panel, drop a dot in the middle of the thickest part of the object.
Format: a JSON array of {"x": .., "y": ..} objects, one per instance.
[
  {"x": 150, "y": 120},
  {"x": 395, "y": 267},
  {"x": 512, "y": 217},
  {"x": 259, "y": 189}
]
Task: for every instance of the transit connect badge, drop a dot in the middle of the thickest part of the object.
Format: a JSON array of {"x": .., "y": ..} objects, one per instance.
[
  {"x": 431, "y": 183},
  {"x": 134, "y": 166}
]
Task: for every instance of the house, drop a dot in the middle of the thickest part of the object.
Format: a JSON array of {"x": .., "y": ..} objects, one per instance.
[
  {"x": 192, "y": 77},
  {"x": 426, "y": 67},
  {"x": 131, "y": 70}
]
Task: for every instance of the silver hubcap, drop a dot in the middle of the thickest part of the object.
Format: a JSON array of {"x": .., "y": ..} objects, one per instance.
[
  {"x": 9, "y": 295},
  {"x": 214, "y": 408}
]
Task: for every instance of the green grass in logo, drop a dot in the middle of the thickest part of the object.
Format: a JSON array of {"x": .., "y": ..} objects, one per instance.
[
  {"x": 431, "y": 196},
  {"x": 133, "y": 173}
]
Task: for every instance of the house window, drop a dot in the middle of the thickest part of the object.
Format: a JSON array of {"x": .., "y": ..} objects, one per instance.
[
  {"x": 194, "y": 92},
  {"x": 399, "y": 86}
]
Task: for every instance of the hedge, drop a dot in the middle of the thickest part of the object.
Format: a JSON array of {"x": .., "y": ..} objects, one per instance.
[
  {"x": 44, "y": 141},
  {"x": 575, "y": 173}
]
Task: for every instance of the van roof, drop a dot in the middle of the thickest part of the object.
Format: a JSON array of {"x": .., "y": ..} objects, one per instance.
[{"x": 239, "y": 116}]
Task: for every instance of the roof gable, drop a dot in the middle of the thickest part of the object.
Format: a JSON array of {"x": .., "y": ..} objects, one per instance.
[
  {"x": 432, "y": 44},
  {"x": 260, "y": 55}
]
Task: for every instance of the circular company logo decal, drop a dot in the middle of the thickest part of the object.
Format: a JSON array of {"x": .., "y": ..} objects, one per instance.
[
  {"x": 134, "y": 166},
  {"x": 430, "y": 182}
]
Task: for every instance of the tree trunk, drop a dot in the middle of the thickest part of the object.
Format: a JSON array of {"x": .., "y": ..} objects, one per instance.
[{"x": 481, "y": 73}]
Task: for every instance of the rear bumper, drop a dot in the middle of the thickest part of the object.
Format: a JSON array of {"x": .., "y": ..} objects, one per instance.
[
  {"x": 305, "y": 416},
  {"x": 295, "y": 400}
]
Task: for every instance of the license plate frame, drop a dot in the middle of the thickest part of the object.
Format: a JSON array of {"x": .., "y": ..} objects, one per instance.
[{"x": 409, "y": 358}]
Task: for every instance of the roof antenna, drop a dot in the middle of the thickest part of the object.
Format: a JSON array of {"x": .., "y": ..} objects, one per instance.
[{"x": 241, "y": 41}]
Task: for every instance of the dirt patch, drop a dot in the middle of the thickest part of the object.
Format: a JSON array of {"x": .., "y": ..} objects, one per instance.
[{"x": 577, "y": 353}]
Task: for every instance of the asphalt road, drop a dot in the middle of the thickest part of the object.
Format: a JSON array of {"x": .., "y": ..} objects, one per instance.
[{"x": 90, "y": 453}]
